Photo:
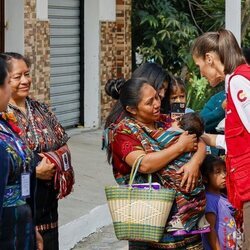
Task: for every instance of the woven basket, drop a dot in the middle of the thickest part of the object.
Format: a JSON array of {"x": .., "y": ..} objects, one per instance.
[{"x": 139, "y": 214}]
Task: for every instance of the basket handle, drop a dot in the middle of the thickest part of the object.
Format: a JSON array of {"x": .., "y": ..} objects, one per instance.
[
  {"x": 134, "y": 171},
  {"x": 135, "y": 168}
]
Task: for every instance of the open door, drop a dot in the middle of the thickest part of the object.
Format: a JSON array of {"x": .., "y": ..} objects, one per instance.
[{"x": 2, "y": 29}]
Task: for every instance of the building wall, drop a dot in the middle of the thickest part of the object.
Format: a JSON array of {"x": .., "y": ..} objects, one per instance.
[
  {"x": 115, "y": 54},
  {"x": 37, "y": 49},
  {"x": 14, "y": 31}
]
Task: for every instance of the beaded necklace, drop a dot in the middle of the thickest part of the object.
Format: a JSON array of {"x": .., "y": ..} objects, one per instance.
[{"x": 31, "y": 118}]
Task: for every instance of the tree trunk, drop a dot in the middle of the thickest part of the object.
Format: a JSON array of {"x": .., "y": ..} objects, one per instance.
[{"x": 245, "y": 18}]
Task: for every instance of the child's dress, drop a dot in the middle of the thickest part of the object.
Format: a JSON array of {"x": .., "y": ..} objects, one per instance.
[{"x": 225, "y": 223}]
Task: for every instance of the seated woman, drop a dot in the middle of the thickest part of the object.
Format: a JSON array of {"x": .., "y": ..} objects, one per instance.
[
  {"x": 17, "y": 229},
  {"x": 136, "y": 134}
]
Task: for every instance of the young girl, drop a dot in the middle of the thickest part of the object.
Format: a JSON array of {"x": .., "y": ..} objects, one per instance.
[
  {"x": 219, "y": 212},
  {"x": 177, "y": 94}
]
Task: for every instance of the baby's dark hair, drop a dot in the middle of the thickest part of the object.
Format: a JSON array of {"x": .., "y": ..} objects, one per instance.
[
  {"x": 192, "y": 123},
  {"x": 209, "y": 164}
]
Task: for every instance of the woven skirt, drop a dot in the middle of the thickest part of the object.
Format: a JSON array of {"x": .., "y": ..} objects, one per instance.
[
  {"x": 170, "y": 242},
  {"x": 17, "y": 230}
]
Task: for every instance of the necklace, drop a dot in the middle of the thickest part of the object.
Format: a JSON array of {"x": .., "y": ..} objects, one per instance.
[{"x": 31, "y": 118}]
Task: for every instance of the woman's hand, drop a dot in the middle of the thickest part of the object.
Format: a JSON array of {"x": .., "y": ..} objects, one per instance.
[
  {"x": 39, "y": 241},
  {"x": 224, "y": 104},
  {"x": 45, "y": 170},
  {"x": 187, "y": 142},
  {"x": 191, "y": 170},
  {"x": 190, "y": 177}
]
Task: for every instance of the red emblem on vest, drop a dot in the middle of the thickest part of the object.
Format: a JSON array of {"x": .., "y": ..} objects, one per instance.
[{"x": 241, "y": 96}]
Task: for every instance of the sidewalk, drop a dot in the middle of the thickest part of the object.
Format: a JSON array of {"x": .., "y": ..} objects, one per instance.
[
  {"x": 85, "y": 210},
  {"x": 103, "y": 239}
]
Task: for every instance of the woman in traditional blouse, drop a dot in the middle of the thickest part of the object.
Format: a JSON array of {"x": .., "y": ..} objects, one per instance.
[
  {"x": 17, "y": 185},
  {"x": 135, "y": 135},
  {"x": 42, "y": 133}
]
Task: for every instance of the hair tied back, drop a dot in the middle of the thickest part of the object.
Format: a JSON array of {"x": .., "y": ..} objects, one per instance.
[{"x": 113, "y": 87}]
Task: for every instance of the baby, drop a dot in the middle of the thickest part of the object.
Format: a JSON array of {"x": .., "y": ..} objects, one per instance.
[{"x": 190, "y": 206}]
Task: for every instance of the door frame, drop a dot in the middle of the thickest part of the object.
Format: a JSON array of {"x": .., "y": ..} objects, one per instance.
[
  {"x": 82, "y": 62},
  {"x": 2, "y": 26}
]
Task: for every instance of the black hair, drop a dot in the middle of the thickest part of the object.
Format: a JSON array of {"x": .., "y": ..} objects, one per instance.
[
  {"x": 175, "y": 83},
  {"x": 193, "y": 123},
  {"x": 209, "y": 164},
  {"x": 113, "y": 86},
  {"x": 129, "y": 93},
  {"x": 3, "y": 71},
  {"x": 8, "y": 56},
  {"x": 112, "y": 89},
  {"x": 154, "y": 74}
]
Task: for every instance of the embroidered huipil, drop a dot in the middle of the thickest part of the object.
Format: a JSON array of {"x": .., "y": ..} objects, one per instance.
[
  {"x": 43, "y": 133},
  {"x": 15, "y": 210}
]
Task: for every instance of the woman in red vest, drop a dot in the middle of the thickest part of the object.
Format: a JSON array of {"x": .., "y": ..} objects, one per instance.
[{"x": 219, "y": 58}]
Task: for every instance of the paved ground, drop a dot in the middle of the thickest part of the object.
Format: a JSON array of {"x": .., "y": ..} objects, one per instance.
[
  {"x": 104, "y": 239},
  {"x": 85, "y": 210}
]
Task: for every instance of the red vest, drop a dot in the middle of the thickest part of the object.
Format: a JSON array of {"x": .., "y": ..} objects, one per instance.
[{"x": 238, "y": 148}]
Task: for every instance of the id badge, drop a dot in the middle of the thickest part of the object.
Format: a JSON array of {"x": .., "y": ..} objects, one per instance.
[
  {"x": 25, "y": 184},
  {"x": 65, "y": 161}
]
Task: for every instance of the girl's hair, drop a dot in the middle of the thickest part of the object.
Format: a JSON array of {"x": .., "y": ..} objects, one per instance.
[
  {"x": 154, "y": 74},
  {"x": 224, "y": 44},
  {"x": 175, "y": 83},
  {"x": 3, "y": 71},
  {"x": 209, "y": 164},
  {"x": 8, "y": 56}
]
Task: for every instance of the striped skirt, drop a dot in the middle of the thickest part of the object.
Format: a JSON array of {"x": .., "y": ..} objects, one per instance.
[
  {"x": 191, "y": 242},
  {"x": 17, "y": 229}
]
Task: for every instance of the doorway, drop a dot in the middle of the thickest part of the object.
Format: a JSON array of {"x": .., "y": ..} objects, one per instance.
[{"x": 2, "y": 26}]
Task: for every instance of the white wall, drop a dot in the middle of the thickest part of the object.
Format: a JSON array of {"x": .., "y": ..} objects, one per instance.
[
  {"x": 91, "y": 64},
  {"x": 14, "y": 32},
  {"x": 107, "y": 10},
  {"x": 94, "y": 12},
  {"x": 42, "y": 10},
  {"x": 233, "y": 17}
]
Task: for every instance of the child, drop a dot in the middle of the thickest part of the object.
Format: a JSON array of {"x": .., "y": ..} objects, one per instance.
[
  {"x": 219, "y": 212},
  {"x": 177, "y": 93}
]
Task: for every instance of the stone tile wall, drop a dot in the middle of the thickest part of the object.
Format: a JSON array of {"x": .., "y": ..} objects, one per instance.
[
  {"x": 115, "y": 51},
  {"x": 37, "y": 49}
]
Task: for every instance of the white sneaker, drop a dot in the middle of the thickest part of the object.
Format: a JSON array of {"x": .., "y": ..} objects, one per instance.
[
  {"x": 203, "y": 223},
  {"x": 175, "y": 224}
]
